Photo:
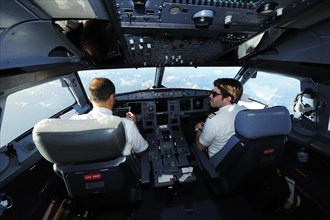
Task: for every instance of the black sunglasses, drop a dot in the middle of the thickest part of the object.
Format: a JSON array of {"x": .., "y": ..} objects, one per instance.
[{"x": 214, "y": 94}]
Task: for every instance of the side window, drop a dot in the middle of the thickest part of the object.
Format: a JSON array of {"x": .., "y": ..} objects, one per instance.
[
  {"x": 25, "y": 108},
  {"x": 271, "y": 89}
]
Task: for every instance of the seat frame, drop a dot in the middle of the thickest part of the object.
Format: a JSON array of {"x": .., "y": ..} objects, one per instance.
[
  {"x": 252, "y": 155},
  {"x": 88, "y": 156}
]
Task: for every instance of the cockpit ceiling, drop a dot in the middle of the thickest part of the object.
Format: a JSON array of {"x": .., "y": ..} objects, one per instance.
[
  {"x": 140, "y": 33},
  {"x": 195, "y": 32},
  {"x": 200, "y": 13}
]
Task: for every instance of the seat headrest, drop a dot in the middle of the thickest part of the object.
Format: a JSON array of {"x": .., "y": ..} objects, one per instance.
[
  {"x": 80, "y": 141},
  {"x": 258, "y": 123}
]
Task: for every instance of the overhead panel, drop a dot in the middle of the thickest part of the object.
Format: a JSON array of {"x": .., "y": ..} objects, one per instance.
[{"x": 173, "y": 32}]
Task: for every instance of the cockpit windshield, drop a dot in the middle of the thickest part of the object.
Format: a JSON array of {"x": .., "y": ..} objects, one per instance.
[
  {"x": 259, "y": 92},
  {"x": 26, "y": 107},
  {"x": 262, "y": 90},
  {"x": 127, "y": 80}
]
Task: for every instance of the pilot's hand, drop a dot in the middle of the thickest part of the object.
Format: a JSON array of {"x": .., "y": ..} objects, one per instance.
[
  {"x": 199, "y": 126},
  {"x": 131, "y": 116}
]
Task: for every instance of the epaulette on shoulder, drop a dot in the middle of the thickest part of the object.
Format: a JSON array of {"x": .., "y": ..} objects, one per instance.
[{"x": 211, "y": 115}]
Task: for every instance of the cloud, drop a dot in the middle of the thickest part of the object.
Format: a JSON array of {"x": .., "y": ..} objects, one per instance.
[
  {"x": 170, "y": 78},
  {"x": 259, "y": 91},
  {"x": 217, "y": 71},
  {"x": 43, "y": 104},
  {"x": 191, "y": 85},
  {"x": 147, "y": 84},
  {"x": 126, "y": 82},
  {"x": 21, "y": 104}
]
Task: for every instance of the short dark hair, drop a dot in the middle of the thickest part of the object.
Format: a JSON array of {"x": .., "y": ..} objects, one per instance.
[
  {"x": 229, "y": 87},
  {"x": 94, "y": 40},
  {"x": 100, "y": 89}
]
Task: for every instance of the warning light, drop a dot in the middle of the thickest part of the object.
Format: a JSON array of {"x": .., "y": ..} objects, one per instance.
[
  {"x": 92, "y": 176},
  {"x": 269, "y": 151}
]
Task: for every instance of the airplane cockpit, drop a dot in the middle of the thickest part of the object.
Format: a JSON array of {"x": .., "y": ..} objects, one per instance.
[{"x": 163, "y": 57}]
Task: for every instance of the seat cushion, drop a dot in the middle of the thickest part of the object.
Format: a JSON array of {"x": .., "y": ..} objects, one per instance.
[
  {"x": 79, "y": 141},
  {"x": 258, "y": 123}
]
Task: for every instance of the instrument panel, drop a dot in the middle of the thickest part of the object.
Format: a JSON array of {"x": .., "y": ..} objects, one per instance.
[
  {"x": 162, "y": 108},
  {"x": 159, "y": 115}
]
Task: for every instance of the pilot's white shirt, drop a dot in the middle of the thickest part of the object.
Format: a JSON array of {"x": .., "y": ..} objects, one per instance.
[
  {"x": 219, "y": 127},
  {"x": 135, "y": 141}
]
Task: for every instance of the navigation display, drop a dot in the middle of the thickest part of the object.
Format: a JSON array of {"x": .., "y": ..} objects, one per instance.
[
  {"x": 162, "y": 119},
  {"x": 161, "y": 105}
]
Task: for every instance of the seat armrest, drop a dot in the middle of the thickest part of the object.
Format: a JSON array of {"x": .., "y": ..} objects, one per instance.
[
  {"x": 221, "y": 154},
  {"x": 204, "y": 162}
]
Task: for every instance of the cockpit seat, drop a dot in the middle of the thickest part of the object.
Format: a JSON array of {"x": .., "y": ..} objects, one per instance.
[
  {"x": 87, "y": 154},
  {"x": 253, "y": 155}
]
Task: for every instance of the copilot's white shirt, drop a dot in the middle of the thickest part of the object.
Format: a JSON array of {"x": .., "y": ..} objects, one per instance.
[{"x": 219, "y": 127}]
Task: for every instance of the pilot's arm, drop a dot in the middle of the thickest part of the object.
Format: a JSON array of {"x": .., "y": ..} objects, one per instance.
[
  {"x": 135, "y": 141},
  {"x": 199, "y": 128},
  {"x": 131, "y": 116},
  {"x": 206, "y": 133}
]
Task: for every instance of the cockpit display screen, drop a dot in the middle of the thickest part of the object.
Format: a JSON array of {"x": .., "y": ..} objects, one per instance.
[
  {"x": 162, "y": 119},
  {"x": 161, "y": 105},
  {"x": 198, "y": 103}
]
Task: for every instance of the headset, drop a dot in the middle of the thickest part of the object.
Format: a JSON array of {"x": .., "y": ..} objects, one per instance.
[{"x": 306, "y": 102}]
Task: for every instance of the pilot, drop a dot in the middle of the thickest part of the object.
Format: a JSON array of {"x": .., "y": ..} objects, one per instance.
[
  {"x": 94, "y": 40},
  {"x": 219, "y": 126},
  {"x": 101, "y": 93}
]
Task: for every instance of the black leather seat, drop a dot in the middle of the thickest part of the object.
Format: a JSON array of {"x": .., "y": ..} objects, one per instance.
[
  {"x": 253, "y": 155},
  {"x": 87, "y": 154}
]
